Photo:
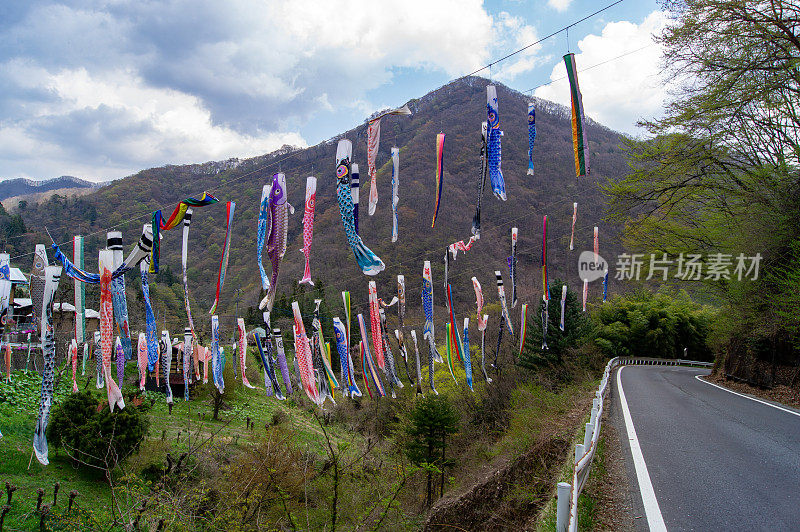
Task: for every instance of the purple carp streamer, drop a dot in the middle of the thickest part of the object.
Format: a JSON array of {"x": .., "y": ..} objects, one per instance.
[
  {"x": 308, "y": 226},
  {"x": 512, "y": 266},
  {"x": 574, "y": 218},
  {"x": 439, "y": 174},
  {"x": 44, "y": 280},
  {"x": 579, "y": 143},
  {"x": 369, "y": 263},
  {"x": 216, "y": 362},
  {"x": 395, "y": 190},
  {"x": 114, "y": 243},
  {"x": 278, "y": 232},
  {"x": 562, "y": 324},
  {"x": 367, "y": 363},
  {"x": 531, "y": 135},
  {"x": 282, "y": 364},
  {"x": 158, "y": 224},
  {"x": 476, "y": 220},
  {"x": 223, "y": 262},
  {"x": 120, "y": 361},
  {"x": 493, "y": 143},
  {"x": 187, "y": 361}
]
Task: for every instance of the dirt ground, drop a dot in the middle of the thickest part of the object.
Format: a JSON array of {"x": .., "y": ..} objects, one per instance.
[{"x": 779, "y": 394}]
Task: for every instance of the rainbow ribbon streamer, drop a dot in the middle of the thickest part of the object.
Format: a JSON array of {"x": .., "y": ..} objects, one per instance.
[
  {"x": 439, "y": 173},
  {"x": 175, "y": 218},
  {"x": 579, "y": 142},
  {"x": 448, "y": 351},
  {"x": 223, "y": 262}
]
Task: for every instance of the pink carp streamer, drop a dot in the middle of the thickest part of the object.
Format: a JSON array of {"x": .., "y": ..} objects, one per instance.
[
  {"x": 106, "y": 260},
  {"x": 373, "y": 142},
  {"x": 242, "y": 348},
  {"x": 439, "y": 174},
  {"x": 303, "y": 354},
  {"x": 73, "y": 357},
  {"x": 141, "y": 358},
  {"x": 585, "y": 292},
  {"x": 462, "y": 246},
  {"x": 572, "y": 234},
  {"x": 596, "y": 246},
  {"x": 223, "y": 262},
  {"x": 479, "y": 300},
  {"x": 308, "y": 226},
  {"x": 375, "y": 325}
]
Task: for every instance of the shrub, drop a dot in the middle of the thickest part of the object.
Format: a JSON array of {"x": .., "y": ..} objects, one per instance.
[{"x": 93, "y": 435}]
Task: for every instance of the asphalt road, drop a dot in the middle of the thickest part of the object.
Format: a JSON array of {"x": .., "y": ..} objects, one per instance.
[{"x": 716, "y": 460}]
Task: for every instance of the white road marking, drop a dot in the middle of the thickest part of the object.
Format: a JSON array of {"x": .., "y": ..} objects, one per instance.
[
  {"x": 651, "y": 509},
  {"x": 794, "y": 413}
]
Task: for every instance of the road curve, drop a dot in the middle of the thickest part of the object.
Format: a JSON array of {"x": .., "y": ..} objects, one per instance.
[{"x": 716, "y": 460}]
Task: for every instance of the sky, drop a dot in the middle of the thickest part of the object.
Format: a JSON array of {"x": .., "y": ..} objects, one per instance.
[{"x": 101, "y": 89}]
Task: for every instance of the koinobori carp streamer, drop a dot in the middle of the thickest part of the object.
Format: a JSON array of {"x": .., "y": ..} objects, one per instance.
[{"x": 579, "y": 143}]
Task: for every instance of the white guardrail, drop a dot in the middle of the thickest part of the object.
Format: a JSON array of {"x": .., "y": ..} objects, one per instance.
[{"x": 567, "y": 494}]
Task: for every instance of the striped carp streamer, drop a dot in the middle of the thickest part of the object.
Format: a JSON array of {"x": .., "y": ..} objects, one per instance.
[
  {"x": 308, "y": 226},
  {"x": 605, "y": 286},
  {"x": 106, "y": 260},
  {"x": 391, "y": 370},
  {"x": 375, "y": 325},
  {"x": 439, "y": 174},
  {"x": 282, "y": 364},
  {"x": 523, "y": 326},
  {"x": 579, "y": 143},
  {"x": 114, "y": 243},
  {"x": 476, "y": 220},
  {"x": 585, "y": 292},
  {"x": 241, "y": 346},
  {"x": 545, "y": 320},
  {"x": 501, "y": 294},
  {"x": 351, "y": 374},
  {"x": 44, "y": 282},
  {"x": 120, "y": 360},
  {"x": 373, "y": 141},
  {"x": 395, "y": 189},
  {"x": 545, "y": 283},
  {"x": 531, "y": 135},
  {"x": 302, "y": 351},
  {"x": 166, "y": 365},
  {"x": 73, "y": 358},
  {"x": 400, "y": 333},
  {"x": 428, "y": 331},
  {"x": 596, "y": 246},
  {"x": 141, "y": 358},
  {"x": 467, "y": 354},
  {"x": 493, "y": 143},
  {"x": 187, "y": 221},
  {"x": 158, "y": 224},
  {"x": 216, "y": 362},
  {"x": 277, "y": 230},
  {"x": 572, "y": 233},
  {"x": 512, "y": 266},
  {"x": 79, "y": 259},
  {"x": 369, "y": 263},
  {"x": 419, "y": 366},
  {"x": 355, "y": 187},
  {"x": 325, "y": 379},
  {"x": 366, "y": 361},
  {"x": 270, "y": 379},
  {"x": 223, "y": 261},
  {"x": 343, "y": 348},
  {"x": 151, "y": 333},
  {"x": 449, "y": 350},
  {"x": 562, "y": 324},
  {"x": 187, "y": 361}
]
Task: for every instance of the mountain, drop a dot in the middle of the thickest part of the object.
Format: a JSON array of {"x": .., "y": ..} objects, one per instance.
[
  {"x": 22, "y": 186},
  {"x": 456, "y": 109}
]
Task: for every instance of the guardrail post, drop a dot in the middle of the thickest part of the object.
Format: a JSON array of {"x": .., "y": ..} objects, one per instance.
[
  {"x": 562, "y": 506},
  {"x": 587, "y": 436},
  {"x": 593, "y": 415},
  {"x": 578, "y": 451}
]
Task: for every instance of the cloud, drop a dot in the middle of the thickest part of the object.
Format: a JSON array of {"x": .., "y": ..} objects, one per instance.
[
  {"x": 624, "y": 90},
  {"x": 559, "y": 5},
  {"x": 514, "y": 35}
]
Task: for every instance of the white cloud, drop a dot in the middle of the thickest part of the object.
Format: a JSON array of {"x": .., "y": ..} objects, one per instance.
[
  {"x": 622, "y": 91},
  {"x": 559, "y": 5},
  {"x": 514, "y": 35},
  {"x": 189, "y": 80}
]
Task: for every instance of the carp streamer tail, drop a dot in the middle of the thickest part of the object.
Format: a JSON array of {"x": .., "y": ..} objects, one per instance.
[
  {"x": 579, "y": 142},
  {"x": 439, "y": 174}
]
